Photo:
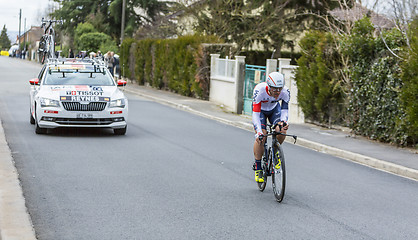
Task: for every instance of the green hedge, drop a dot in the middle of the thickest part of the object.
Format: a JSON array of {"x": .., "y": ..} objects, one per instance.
[
  {"x": 124, "y": 56},
  {"x": 378, "y": 99},
  {"x": 321, "y": 93},
  {"x": 375, "y": 107},
  {"x": 409, "y": 93},
  {"x": 178, "y": 65}
]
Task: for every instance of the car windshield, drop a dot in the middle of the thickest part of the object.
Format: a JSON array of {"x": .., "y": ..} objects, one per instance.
[{"x": 77, "y": 76}]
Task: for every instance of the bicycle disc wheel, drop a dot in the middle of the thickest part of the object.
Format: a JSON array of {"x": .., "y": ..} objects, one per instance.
[{"x": 279, "y": 174}]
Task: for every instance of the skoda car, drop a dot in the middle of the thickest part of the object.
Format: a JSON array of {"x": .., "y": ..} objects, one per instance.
[{"x": 77, "y": 93}]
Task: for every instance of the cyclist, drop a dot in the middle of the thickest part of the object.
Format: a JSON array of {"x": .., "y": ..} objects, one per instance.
[{"x": 266, "y": 98}]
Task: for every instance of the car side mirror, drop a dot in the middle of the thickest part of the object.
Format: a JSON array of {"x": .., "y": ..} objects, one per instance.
[
  {"x": 121, "y": 83},
  {"x": 34, "y": 81}
]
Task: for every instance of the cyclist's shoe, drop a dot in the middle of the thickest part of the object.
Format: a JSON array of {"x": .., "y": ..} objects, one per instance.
[
  {"x": 279, "y": 163},
  {"x": 259, "y": 176}
]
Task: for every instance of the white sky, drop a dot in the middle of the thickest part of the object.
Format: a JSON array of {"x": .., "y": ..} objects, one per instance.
[{"x": 32, "y": 10}]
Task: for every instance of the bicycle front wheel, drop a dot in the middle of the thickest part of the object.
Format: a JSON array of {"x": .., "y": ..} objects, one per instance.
[{"x": 279, "y": 173}]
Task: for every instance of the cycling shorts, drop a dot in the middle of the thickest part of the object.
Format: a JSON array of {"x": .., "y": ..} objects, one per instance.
[{"x": 273, "y": 116}]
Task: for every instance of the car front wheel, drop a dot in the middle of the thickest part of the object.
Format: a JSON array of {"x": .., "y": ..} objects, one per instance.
[
  {"x": 32, "y": 120},
  {"x": 39, "y": 130},
  {"x": 120, "y": 131}
]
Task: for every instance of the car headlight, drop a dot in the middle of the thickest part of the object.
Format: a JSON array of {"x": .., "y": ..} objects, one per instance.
[
  {"x": 46, "y": 102},
  {"x": 117, "y": 103}
]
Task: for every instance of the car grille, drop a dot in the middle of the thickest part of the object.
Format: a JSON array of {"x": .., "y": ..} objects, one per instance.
[
  {"x": 76, "y": 106},
  {"x": 80, "y": 121}
]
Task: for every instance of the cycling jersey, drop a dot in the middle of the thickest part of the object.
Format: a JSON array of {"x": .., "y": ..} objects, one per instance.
[{"x": 264, "y": 103}]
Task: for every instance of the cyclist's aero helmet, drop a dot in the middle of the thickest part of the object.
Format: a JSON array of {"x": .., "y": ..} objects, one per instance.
[{"x": 276, "y": 80}]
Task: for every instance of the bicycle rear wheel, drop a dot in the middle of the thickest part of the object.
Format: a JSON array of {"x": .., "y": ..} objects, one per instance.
[{"x": 279, "y": 173}]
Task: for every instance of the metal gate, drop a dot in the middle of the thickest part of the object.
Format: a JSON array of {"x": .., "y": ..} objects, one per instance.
[{"x": 253, "y": 75}]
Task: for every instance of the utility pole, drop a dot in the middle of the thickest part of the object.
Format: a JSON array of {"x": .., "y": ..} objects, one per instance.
[
  {"x": 122, "y": 31},
  {"x": 24, "y": 37},
  {"x": 20, "y": 19}
]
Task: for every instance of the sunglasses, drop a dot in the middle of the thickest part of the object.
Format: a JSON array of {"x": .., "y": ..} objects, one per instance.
[{"x": 275, "y": 89}]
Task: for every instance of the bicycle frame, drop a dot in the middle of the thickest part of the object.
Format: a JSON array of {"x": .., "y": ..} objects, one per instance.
[{"x": 269, "y": 150}]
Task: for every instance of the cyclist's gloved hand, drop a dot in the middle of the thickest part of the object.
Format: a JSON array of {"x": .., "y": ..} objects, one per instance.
[
  {"x": 283, "y": 126},
  {"x": 259, "y": 137}
]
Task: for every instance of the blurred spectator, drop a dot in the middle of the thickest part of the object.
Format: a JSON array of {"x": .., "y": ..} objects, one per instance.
[
  {"x": 100, "y": 55},
  {"x": 110, "y": 59},
  {"x": 117, "y": 65},
  {"x": 70, "y": 53}
]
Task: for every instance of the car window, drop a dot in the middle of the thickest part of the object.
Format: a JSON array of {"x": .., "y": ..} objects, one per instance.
[{"x": 78, "y": 78}]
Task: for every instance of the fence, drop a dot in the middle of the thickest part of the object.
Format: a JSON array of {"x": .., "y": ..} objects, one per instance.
[
  {"x": 232, "y": 83},
  {"x": 226, "y": 82}
]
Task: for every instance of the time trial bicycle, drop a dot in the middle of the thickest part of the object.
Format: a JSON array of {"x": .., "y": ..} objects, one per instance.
[
  {"x": 273, "y": 163},
  {"x": 47, "y": 42}
]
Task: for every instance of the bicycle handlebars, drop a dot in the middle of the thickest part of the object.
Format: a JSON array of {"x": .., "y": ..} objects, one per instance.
[
  {"x": 274, "y": 133},
  {"x": 51, "y": 21},
  {"x": 44, "y": 22}
]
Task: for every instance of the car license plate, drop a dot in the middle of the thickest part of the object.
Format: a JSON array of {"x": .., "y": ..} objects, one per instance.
[{"x": 84, "y": 115}]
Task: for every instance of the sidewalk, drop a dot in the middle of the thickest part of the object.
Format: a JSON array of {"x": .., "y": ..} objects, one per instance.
[{"x": 340, "y": 143}]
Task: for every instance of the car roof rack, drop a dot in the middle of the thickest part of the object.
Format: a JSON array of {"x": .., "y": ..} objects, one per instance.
[
  {"x": 97, "y": 62},
  {"x": 62, "y": 61}
]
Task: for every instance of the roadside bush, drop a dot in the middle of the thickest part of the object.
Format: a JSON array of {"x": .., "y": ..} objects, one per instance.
[
  {"x": 375, "y": 108},
  {"x": 169, "y": 64},
  {"x": 320, "y": 91},
  {"x": 379, "y": 98},
  {"x": 409, "y": 93},
  {"x": 124, "y": 56}
]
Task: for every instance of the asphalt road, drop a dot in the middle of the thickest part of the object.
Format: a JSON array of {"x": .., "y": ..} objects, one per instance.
[{"x": 176, "y": 175}]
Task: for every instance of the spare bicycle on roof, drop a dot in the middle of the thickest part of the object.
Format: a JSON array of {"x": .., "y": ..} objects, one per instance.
[{"x": 46, "y": 48}]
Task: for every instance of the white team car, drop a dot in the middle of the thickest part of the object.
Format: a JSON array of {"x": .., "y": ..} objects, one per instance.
[{"x": 77, "y": 93}]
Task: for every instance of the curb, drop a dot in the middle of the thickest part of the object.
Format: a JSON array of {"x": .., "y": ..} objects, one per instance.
[
  {"x": 354, "y": 157},
  {"x": 15, "y": 222}
]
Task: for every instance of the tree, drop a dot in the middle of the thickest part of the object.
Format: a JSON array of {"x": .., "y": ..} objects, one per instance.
[
  {"x": 269, "y": 23},
  {"x": 92, "y": 41},
  {"x": 4, "y": 39},
  {"x": 144, "y": 24},
  {"x": 87, "y": 38},
  {"x": 83, "y": 28},
  {"x": 74, "y": 12},
  {"x": 105, "y": 15}
]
